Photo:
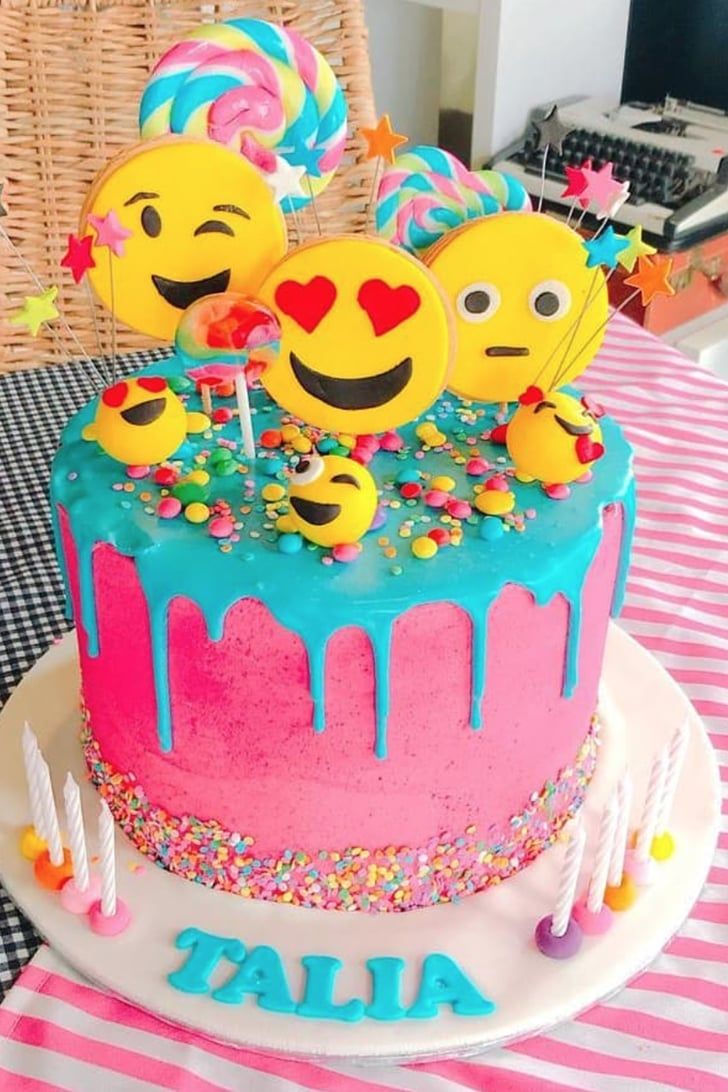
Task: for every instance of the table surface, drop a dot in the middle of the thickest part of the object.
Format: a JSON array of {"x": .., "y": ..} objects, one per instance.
[{"x": 668, "y": 1028}]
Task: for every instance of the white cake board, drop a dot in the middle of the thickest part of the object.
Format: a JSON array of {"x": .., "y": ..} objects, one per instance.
[{"x": 490, "y": 934}]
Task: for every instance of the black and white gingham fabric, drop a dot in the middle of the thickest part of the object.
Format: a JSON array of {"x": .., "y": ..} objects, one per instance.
[{"x": 34, "y": 407}]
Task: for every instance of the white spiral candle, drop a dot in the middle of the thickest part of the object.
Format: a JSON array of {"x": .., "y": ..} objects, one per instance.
[
  {"x": 568, "y": 880},
  {"x": 76, "y": 835},
  {"x": 32, "y": 759},
  {"x": 675, "y": 759},
  {"x": 598, "y": 881},
  {"x": 619, "y": 846},
  {"x": 51, "y": 830},
  {"x": 108, "y": 861},
  {"x": 651, "y": 806}
]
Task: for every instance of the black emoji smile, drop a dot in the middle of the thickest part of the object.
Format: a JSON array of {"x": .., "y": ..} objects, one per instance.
[
  {"x": 144, "y": 413},
  {"x": 369, "y": 392},
  {"x": 181, "y": 294},
  {"x": 507, "y": 350},
  {"x": 315, "y": 512},
  {"x": 573, "y": 430}
]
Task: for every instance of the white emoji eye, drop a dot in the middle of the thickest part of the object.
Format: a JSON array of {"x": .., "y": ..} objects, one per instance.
[
  {"x": 307, "y": 470},
  {"x": 478, "y": 302},
  {"x": 549, "y": 300}
]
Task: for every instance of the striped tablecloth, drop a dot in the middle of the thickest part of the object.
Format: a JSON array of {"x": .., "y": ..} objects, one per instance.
[{"x": 669, "y": 1028}]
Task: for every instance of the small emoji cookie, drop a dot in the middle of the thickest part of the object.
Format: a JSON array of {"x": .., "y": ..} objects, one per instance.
[
  {"x": 332, "y": 499},
  {"x": 366, "y": 335},
  {"x": 196, "y": 217},
  {"x": 518, "y": 282},
  {"x": 140, "y": 422},
  {"x": 553, "y": 437}
]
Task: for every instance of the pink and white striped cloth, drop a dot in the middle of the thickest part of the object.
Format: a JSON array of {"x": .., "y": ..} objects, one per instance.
[{"x": 669, "y": 1028}]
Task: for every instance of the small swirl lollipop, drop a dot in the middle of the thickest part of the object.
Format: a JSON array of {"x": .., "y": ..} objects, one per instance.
[
  {"x": 428, "y": 191},
  {"x": 229, "y": 333},
  {"x": 256, "y": 87}
]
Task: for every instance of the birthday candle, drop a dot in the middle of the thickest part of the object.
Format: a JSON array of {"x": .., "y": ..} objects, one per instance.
[
  {"x": 32, "y": 759},
  {"x": 675, "y": 759},
  {"x": 598, "y": 881},
  {"x": 77, "y": 838},
  {"x": 108, "y": 861},
  {"x": 650, "y": 808},
  {"x": 568, "y": 881},
  {"x": 619, "y": 847},
  {"x": 51, "y": 830}
]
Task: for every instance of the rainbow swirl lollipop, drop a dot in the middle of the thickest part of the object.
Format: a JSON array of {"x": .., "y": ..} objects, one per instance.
[
  {"x": 428, "y": 191},
  {"x": 256, "y": 87}
]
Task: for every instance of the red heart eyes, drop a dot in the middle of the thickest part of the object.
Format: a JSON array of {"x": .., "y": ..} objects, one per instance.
[
  {"x": 308, "y": 303},
  {"x": 114, "y": 396},
  {"x": 153, "y": 383},
  {"x": 387, "y": 307}
]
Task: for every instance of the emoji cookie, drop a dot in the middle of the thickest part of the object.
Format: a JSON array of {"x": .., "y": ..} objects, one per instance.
[
  {"x": 332, "y": 499},
  {"x": 553, "y": 437},
  {"x": 366, "y": 335},
  {"x": 197, "y": 218},
  {"x": 141, "y": 421},
  {"x": 518, "y": 282}
]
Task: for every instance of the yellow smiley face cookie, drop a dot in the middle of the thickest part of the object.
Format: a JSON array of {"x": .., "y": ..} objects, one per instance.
[
  {"x": 332, "y": 499},
  {"x": 518, "y": 282},
  {"x": 139, "y": 421},
  {"x": 553, "y": 437},
  {"x": 201, "y": 220},
  {"x": 366, "y": 335}
]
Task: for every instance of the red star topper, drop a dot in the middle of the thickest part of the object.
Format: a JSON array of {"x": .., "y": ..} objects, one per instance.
[{"x": 78, "y": 256}]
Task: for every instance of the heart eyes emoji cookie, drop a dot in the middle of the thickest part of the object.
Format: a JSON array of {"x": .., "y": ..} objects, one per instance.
[{"x": 366, "y": 335}]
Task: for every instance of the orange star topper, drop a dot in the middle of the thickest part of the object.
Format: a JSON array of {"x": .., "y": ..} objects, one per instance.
[
  {"x": 382, "y": 140},
  {"x": 651, "y": 277}
]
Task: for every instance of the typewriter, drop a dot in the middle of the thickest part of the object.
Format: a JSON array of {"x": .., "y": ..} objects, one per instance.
[{"x": 674, "y": 156}]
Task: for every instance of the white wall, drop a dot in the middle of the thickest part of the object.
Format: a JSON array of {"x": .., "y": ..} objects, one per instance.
[
  {"x": 535, "y": 51},
  {"x": 405, "y": 51}
]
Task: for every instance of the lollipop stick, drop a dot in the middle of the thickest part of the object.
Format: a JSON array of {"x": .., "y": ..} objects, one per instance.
[
  {"x": 113, "y": 318},
  {"x": 97, "y": 332},
  {"x": 246, "y": 420},
  {"x": 370, "y": 206}
]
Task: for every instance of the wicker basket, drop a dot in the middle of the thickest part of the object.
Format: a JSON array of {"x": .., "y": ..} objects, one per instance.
[{"x": 71, "y": 73}]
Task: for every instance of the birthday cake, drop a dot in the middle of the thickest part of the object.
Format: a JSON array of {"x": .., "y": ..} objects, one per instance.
[
  {"x": 342, "y": 558},
  {"x": 342, "y": 565}
]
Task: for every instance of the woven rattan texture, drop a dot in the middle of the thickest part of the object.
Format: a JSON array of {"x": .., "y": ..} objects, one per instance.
[{"x": 71, "y": 74}]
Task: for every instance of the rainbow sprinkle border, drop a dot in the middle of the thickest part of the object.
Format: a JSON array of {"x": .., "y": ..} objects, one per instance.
[{"x": 445, "y": 869}]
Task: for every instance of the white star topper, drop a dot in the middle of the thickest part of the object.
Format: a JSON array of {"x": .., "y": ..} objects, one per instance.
[{"x": 285, "y": 180}]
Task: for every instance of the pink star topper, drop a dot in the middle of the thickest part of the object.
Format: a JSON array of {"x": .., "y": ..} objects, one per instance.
[
  {"x": 601, "y": 187},
  {"x": 110, "y": 232},
  {"x": 78, "y": 256}
]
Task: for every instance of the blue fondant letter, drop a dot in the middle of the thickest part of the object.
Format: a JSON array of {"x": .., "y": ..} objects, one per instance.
[
  {"x": 443, "y": 982},
  {"x": 386, "y": 972},
  {"x": 318, "y": 999},
  {"x": 206, "y": 950},
  {"x": 261, "y": 973}
]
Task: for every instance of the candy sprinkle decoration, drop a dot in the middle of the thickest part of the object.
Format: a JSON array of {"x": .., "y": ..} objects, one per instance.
[
  {"x": 440, "y": 870},
  {"x": 255, "y": 87}
]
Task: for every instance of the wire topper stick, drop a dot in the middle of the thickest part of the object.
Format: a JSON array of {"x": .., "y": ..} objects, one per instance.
[
  {"x": 381, "y": 143},
  {"x": 551, "y": 134}
]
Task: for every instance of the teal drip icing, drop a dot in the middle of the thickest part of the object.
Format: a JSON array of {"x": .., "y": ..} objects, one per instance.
[
  {"x": 160, "y": 661},
  {"x": 317, "y": 680},
  {"x": 479, "y": 652},
  {"x": 62, "y": 563},
  {"x": 176, "y": 559},
  {"x": 381, "y": 638},
  {"x": 629, "y": 514},
  {"x": 573, "y": 645},
  {"x": 88, "y": 598}
]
